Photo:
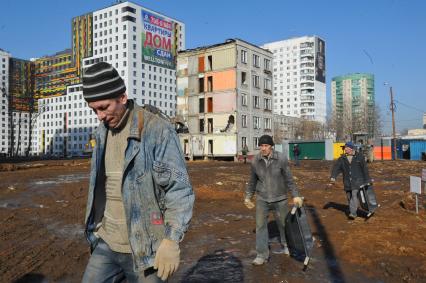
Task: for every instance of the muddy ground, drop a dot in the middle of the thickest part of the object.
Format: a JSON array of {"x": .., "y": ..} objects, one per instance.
[{"x": 42, "y": 208}]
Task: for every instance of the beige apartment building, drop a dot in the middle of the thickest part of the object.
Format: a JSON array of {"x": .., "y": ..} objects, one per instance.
[{"x": 224, "y": 97}]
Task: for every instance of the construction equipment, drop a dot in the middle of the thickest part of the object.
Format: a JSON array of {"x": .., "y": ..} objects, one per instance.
[{"x": 361, "y": 141}]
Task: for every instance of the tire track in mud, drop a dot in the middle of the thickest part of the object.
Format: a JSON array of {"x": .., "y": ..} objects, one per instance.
[{"x": 22, "y": 252}]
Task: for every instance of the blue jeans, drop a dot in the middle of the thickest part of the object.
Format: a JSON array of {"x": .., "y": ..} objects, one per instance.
[
  {"x": 280, "y": 209},
  {"x": 352, "y": 197},
  {"x": 106, "y": 265}
]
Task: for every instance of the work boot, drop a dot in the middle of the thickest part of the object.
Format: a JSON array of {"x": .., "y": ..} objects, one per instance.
[
  {"x": 259, "y": 261},
  {"x": 281, "y": 250}
]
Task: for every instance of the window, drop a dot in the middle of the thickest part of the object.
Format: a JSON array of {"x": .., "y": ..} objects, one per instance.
[
  {"x": 255, "y": 142},
  {"x": 201, "y": 105},
  {"x": 210, "y": 62},
  {"x": 128, "y": 18},
  {"x": 210, "y": 104},
  {"x": 210, "y": 83},
  {"x": 268, "y": 104},
  {"x": 201, "y": 127},
  {"x": 128, "y": 9},
  {"x": 200, "y": 85},
  {"x": 256, "y": 122},
  {"x": 256, "y": 81},
  {"x": 244, "y": 99},
  {"x": 267, "y": 84},
  {"x": 210, "y": 125},
  {"x": 267, "y": 123},
  {"x": 256, "y": 103},
  {"x": 243, "y": 78},
  {"x": 244, "y": 141},
  {"x": 256, "y": 60},
  {"x": 243, "y": 56},
  {"x": 267, "y": 64},
  {"x": 244, "y": 121}
]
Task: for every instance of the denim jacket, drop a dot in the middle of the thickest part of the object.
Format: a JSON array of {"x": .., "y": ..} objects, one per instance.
[
  {"x": 157, "y": 194},
  {"x": 271, "y": 182}
]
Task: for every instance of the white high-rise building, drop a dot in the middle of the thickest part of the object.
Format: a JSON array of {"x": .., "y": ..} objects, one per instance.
[
  {"x": 142, "y": 45},
  {"x": 64, "y": 124},
  {"x": 299, "y": 77},
  {"x": 4, "y": 102}
]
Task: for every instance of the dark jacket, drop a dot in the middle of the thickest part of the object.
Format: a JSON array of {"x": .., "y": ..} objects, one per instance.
[
  {"x": 296, "y": 151},
  {"x": 271, "y": 182},
  {"x": 355, "y": 173}
]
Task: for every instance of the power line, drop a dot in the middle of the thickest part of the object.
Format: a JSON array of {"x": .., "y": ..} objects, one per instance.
[
  {"x": 408, "y": 120},
  {"x": 412, "y": 107}
]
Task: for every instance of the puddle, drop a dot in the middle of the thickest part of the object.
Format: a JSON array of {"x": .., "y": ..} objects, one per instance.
[
  {"x": 61, "y": 179},
  {"x": 69, "y": 231},
  {"x": 24, "y": 191},
  {"x": 9, "y": 205}
]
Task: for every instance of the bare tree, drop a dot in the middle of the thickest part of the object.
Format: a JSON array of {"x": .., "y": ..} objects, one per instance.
[
  {"x": 377, "y": 121},
  {"x": 18, "y": 134},
  {"x": 310, "y": 130}
]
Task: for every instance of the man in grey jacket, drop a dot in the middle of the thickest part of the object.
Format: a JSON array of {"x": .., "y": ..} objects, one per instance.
[
  {"x": 270, "y": 179},
  {"x": 140, "y": 198}
]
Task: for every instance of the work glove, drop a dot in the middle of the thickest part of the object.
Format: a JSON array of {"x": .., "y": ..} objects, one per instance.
[
  {"x": 331, "y": 184},
  {"x": 167, "y": 258},
  {"x": 248, "y": 203},
  {"x": 298, "y": 201}
]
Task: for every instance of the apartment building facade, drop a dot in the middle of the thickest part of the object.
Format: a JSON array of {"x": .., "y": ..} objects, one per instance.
[
  {"x": 142, "y": 45},
  {"x": 16, "y": 97},
  {"x": 4, "y": 102},
  {"x": 54, "y": 73},
  {"x": 299, "y": 77},
  {"x": 82, "y": 40},
  {"x": 224, "y": 98},
  {"x": 353, "y": 104},
  {"x": 64, "y": 124},
  {"x": 21, "y": 102}
]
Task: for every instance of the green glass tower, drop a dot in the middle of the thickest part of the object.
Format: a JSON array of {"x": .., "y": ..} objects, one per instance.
[{"x": 353, "y": 105}]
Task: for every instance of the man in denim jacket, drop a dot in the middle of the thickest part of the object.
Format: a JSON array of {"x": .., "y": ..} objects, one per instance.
[
  {"x": 270, "y": 180},
  {"x": 140, "y": 198}
]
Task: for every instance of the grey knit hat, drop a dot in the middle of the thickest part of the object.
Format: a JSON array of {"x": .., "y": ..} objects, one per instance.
[
  {"x": 102, "y": 81},
  {"x": 266, "y": 139}
]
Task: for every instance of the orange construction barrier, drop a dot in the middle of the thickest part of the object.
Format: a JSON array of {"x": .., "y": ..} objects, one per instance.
[{"x": 387, "y": 153}]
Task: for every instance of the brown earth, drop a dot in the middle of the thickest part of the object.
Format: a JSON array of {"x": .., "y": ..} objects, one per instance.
[{"x": 42, "y": 208}]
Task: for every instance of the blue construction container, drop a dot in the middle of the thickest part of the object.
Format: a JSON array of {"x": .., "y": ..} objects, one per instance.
[{"x": 416, "y": 149}]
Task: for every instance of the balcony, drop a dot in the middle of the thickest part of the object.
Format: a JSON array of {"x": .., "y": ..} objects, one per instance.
[
  {"x": 307, "y": 85},
  {"x": 307, "y": 60},
  {"x": 307, "y": 98},
  {"x": 307, "y": 104}
]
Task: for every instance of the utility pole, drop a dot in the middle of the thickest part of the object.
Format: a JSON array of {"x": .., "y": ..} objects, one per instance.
[{"x": 392, "y": 108}]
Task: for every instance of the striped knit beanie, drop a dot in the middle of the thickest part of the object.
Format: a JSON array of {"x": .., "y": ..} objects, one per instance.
[{"x": 102, "y": 81}]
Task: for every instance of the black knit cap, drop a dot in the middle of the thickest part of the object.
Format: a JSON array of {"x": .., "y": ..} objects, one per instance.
[
  {"x": 102, "y": 81},
  {"x": 266, "y": 139}
]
